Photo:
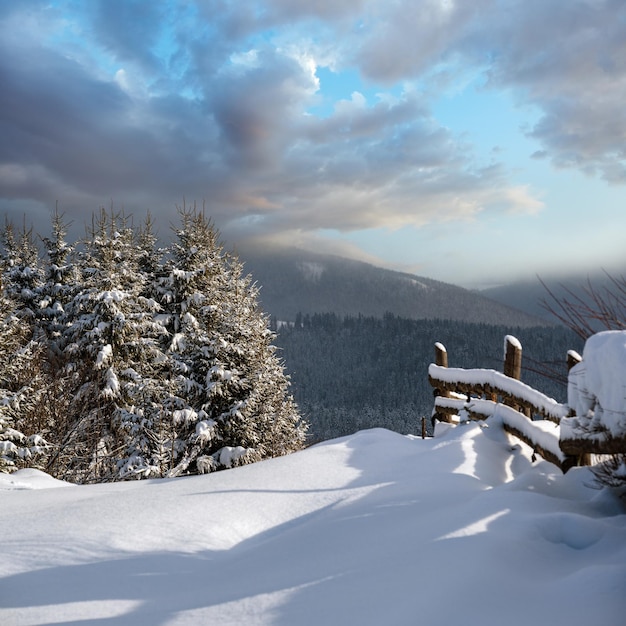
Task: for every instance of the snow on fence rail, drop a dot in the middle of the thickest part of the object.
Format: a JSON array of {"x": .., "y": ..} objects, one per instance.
[{"x": 552, "y": 429}]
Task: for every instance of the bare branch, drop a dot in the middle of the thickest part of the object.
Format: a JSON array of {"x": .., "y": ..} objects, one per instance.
[{"x": 590, "y": 310}]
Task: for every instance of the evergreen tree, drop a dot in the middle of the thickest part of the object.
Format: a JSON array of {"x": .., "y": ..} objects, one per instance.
[
  {"x": 21, "y": 444},
  {"x": 23, "y": 272},
  {"x": 231, "y": 395},
  {"x": 111, "y": 337},
  {"x": 140, "y": 416},
  {"x": 21, "y": 358},
  {"x": 266, "y": 418},
  {"x": 60, "y": 282}
]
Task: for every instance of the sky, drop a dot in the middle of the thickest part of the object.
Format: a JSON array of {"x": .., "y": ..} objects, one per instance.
[
  {"x": 472, "y": 142},
  {"x": 373, "y": 528}
]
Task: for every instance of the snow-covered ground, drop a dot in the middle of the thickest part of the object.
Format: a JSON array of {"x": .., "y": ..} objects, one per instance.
[{"x": 375, "y": 528}]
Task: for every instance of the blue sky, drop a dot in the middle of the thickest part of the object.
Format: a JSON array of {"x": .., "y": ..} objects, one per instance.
[{"x": 475, "y": 143}]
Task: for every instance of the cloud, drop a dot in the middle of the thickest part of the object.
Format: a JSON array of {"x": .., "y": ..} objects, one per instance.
[
  {"x": 567, "y": 60},
  {"x": 145, "y": 103},
  {"x": 570, "y": 62},
  {"x": 131, "y": 30},
  {"x": 405, "y": 39},
  {"x": 284, "y": 10},
  {"x": 255, "y": 106}
]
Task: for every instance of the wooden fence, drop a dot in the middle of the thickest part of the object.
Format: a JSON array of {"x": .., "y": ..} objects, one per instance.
[{"x": 525, "y": 413}]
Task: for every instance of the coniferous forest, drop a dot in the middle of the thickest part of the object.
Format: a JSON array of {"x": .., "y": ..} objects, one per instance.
[
  {"x": 351, "y": 373},
  {"x": 120, "y": 359}
]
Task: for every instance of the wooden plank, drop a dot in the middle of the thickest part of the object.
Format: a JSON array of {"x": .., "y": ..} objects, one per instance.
[
  {"x": 563, "y": 465},
  {"x": 593, "y": 445},
  {"x": 580, "y": 436},
  {"x": 490, "y": 392}
]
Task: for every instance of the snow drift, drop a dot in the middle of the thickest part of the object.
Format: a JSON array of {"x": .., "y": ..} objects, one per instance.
[{"x": 374, "y": 528}]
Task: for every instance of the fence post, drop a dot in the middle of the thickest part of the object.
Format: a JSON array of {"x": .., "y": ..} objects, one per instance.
[
  {"x": 573, "y": 358},
  {"x": 441, "y": 359},
  {"x": 512, "y": 362},
  {"x": 441, "y": 355},
  {"x": 512, "y": 357}
]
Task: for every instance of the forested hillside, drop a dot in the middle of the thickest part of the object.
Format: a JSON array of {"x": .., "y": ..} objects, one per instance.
[
  {"x": 350, "y": 373},
  {"x": 296, "y": 281}
]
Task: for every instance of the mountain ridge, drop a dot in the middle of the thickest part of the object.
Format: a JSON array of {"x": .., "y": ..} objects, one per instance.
[{"x": 293, "y": 281}]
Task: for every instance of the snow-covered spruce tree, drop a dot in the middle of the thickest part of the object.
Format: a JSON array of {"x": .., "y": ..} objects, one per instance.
[
  {"x": 60, "y": 282},
  {"x": 21, "y": 445},
  {"x": 145, "y": 420},
  {"x": 142, "y": 417},
  {"x": 264, "y": 416},
  {"x": 230, "y": 401},
  {"x": 22, "y": 269},
  {"x": 113, "y": 359},
  {"x": 23, "y": 410}
]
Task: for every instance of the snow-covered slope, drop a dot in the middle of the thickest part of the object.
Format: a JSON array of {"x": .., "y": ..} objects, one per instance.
[{"x": 375, "y": 528}]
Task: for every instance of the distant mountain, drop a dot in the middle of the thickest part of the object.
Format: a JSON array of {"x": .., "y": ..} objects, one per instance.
[
  {"x": 524, "y": 296},
  {"x": 531, "y": 296},
  {"x": 295, "y": 281}
]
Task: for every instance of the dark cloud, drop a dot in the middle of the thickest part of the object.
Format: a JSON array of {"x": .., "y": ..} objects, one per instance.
[{"x": 79, "y": 129}]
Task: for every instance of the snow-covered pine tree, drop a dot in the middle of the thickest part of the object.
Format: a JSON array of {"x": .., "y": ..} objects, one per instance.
[
  {"x": 23, "y": 415},
  {"x": 262, "y": 415},
  {"x": 112, "y": 350},
  {"x": 60, "y": 282},
  {"x": 21, "y": 444},
  {"x": 141, "y": 416},
  {"x": 230, "y": 391},
  {"x": 150, "y": 255},
  {"x": 190, "y": 298},
  {"x": 22, "y": 268}
]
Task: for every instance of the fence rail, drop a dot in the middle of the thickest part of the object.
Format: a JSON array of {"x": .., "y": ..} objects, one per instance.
[{"x": 549, "y": 427}]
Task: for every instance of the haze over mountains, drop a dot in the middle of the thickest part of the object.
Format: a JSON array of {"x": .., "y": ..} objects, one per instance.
[
  {"x": 529, "y": 295},
  {"x": 295, "y": 281}
]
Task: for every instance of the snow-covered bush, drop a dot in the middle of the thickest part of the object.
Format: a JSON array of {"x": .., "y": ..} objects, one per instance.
[
  {"x": 597, "y": 385},
  {"x": 597, "y": 395}
]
